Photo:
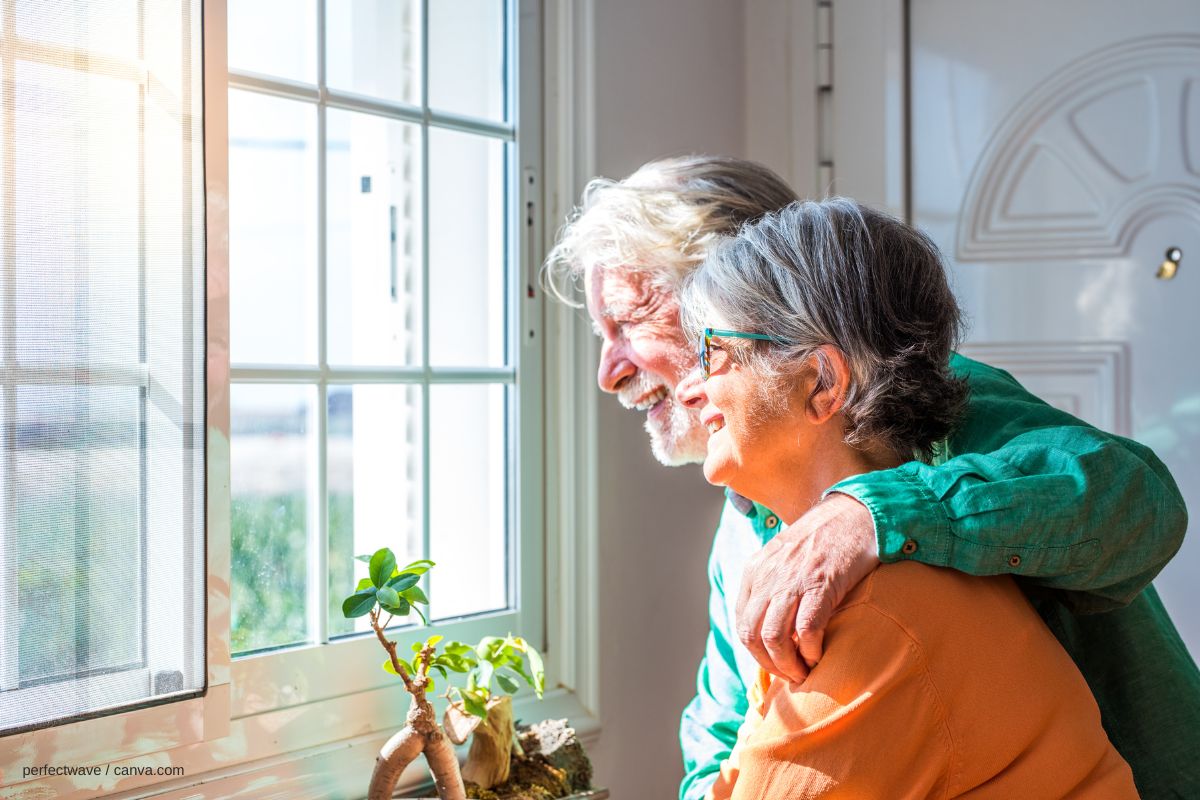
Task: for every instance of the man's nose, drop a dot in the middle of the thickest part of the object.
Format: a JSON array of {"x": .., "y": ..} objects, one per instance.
[
  {"x": 690, "y": 391},
  {"x": 615, "y": 367}
]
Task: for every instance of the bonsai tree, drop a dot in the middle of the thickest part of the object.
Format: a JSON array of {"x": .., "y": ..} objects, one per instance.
[{"x": 473, "y": 708}]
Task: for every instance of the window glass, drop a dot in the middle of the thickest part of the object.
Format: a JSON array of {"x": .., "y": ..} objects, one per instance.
[
  {"x": 372, "y": 47},
  {"x": 277, "y": 38},
  {"x": 466, "y": 57},
  {"x": 373, "y": 260},
  {"x": 467, "y": 503},
  {"x": 467, "y": 242},
  {"x": 272, "y": 229},
  {"x": 271, "y": 463}
]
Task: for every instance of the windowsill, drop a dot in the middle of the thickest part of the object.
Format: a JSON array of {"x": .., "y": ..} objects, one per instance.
[{"x": 338, "y": 766}]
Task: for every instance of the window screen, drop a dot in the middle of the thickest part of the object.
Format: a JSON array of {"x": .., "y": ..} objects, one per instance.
[{"x": 101, "y": 351}]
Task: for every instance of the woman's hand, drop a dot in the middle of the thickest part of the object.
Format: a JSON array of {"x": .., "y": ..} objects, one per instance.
[{"x": 792, "y": 586}]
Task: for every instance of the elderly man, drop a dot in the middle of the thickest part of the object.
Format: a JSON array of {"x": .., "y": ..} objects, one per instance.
[{"x": 1084, "y": 519}]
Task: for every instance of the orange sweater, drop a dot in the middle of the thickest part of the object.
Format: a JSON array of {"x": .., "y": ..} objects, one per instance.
[{"x": 933, "y": 684}]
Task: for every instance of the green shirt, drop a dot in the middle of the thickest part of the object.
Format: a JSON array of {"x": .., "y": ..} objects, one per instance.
[{"x": 1082, "y": 518}]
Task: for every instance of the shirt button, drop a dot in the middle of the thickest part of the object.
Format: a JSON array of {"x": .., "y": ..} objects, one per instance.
[
  {"x": 909, "y": 547},
  {"x": 771, "y": 521},
  {"x": 1014, "y": 560}
]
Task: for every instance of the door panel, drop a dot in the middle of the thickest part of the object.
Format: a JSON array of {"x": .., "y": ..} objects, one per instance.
[{"x": 1056, "y": 160}]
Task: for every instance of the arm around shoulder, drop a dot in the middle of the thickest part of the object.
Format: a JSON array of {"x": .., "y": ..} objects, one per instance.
[{"x": 1031, "y": 491}]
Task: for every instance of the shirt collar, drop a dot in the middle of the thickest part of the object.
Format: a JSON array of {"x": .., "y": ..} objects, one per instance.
[{"x": 742, "y": 504}]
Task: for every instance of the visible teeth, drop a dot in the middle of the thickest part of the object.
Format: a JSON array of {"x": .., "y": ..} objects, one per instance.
[
  {"x": 649, "y": 401},
  {"x": 715, "y": 425}
]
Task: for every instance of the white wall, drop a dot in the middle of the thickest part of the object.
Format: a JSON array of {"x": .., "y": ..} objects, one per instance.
[{"x": 668, "y": 80}]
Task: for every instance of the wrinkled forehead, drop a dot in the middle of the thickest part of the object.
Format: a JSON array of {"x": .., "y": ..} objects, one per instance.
[{"x": 619, "y": 293}]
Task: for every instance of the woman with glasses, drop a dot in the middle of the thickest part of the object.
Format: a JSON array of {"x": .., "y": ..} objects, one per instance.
[{"x": 825, "y": 335}]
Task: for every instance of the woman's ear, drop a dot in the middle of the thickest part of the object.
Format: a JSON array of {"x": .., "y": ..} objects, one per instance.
[{"x": 831, "y": 384}]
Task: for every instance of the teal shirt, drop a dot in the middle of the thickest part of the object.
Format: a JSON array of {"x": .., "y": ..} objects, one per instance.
[{"x": 1091, "y": 519}]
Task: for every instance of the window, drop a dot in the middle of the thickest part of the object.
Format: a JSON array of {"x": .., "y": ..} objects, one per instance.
[
  {"x": 386, "y": 384},
  {"x": 101, "y": 352},
  {"x": 379, "y": 379}
]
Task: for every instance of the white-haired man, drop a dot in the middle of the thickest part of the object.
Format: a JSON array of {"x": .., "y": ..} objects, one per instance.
[{"x": 1105, "y": 511}]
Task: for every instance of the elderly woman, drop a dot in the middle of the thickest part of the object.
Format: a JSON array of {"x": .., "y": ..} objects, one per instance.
[{"x": 825, "y": 332}]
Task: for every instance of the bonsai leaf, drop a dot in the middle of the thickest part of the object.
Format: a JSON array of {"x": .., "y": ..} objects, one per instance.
[
  {"x": 363, "y": 584},
  {"x": 401, "y": 607},
  {"x": 455, "y": 663},
  {"x": 366, "y": 559},
  {"x": 402, "y": 581},
  {"x": 382, "y": 564},
  {"x": 538, "y": 669},
  {"x": 414, "y": 594},
  {"x": 419, "y": 614},
  {"x": 484, "y": 679},
  {"x": 419, "y": 567},
  {"x": 441, "y": 670},
  {"x": 474, "y": 705},
  {"x": 358, "y": 603},
  {"x": 489, "y": 647},
  {"x": 432, "y": 641},
  {"x": 507, "y": 684},
  {"x": 387, "y": 667},
  {"x": 428, "y": 684},
  {"x": 416, "y": 647},
  {"x": 388, "y": 598},
  {"x": 456, "y": 649}
]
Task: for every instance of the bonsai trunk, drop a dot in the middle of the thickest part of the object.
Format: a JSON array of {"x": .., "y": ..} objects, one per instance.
[
  {"x": 491, "y": 749},
  {"x": 420, "y": 734}
]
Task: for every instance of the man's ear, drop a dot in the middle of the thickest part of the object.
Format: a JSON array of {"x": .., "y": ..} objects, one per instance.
[{"x": 830, "y": 384}]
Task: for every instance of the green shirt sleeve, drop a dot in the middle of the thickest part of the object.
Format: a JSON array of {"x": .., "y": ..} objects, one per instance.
[{"x": 1030, "y": 490}]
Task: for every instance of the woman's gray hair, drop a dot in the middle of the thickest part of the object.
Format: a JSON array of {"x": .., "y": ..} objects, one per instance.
[
  {"x": 660, "y": 220},
  {"x": 838, "y": 273}
]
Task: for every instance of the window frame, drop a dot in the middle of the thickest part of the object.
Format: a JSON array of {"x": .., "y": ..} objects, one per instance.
[
  {"x": 276, "y": 715},
  {"x": 522, "y": 378}
]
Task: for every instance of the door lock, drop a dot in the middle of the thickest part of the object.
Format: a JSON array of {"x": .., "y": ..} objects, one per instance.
[{"x": 1170, "y": 264}]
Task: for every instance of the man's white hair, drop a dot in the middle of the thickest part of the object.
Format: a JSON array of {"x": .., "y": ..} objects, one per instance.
[{"x": 661, "y": 220}]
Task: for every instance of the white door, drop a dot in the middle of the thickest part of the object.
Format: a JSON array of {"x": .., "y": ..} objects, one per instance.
[{"x": 1056, "y": 160}]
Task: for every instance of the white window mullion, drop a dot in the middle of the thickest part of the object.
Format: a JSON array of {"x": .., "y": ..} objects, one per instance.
[{"x": 318, "y": 579}]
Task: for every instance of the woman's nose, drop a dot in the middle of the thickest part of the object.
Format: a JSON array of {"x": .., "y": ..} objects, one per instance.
[{"x": 690, "y": 391}]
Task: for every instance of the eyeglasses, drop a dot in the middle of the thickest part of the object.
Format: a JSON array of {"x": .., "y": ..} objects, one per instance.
[{"x": 706, "y": 344}]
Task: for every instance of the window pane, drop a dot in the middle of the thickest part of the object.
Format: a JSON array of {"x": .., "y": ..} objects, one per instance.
[
  {"x": 272, "y": 474},
  {"x": 466, "y": 57},
  {"x": 272, "y": 229},
  {"x": 375, "y": 485},
  {"x": 79, "y": 546},
  {"x": 374, "y": 240},
  {"x": 373, "y": 48},
  {"x": 468, "y": 512},
  {"x": 467, "y": 243},
  {"x": 274, "y": 37}
]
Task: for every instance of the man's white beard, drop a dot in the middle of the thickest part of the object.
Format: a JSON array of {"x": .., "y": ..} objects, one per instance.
[{"x": 678, "y": 438}]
